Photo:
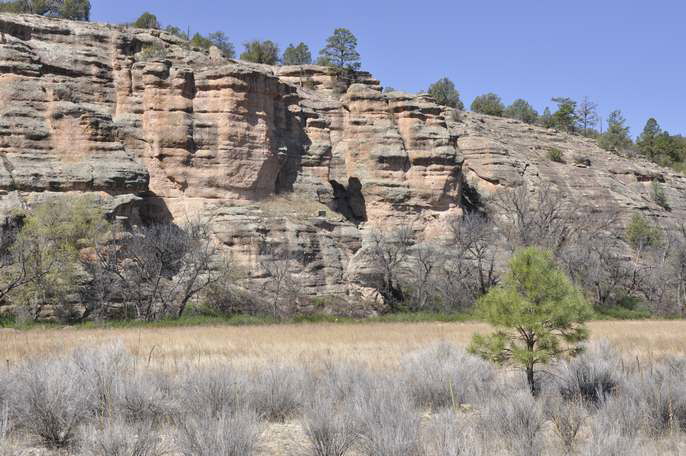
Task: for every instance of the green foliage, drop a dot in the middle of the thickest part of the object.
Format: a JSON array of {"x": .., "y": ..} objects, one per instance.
[
  {"x": 489, "y": 103},
  {"x": 547, "y": 118},
  {"x": 78, "y": 10},
  {"x": 555, "y": 154},
  {"x": 297, "y": 55},
  {"x": 445, "y": 94},
  {"x": 640, "y": 233},
  {"x": 221, "y": 41},
  {"x": 564, "y": 118},
  {"x": 659, "y": 195},
  {"x": 341, "y": 51},
  {"x": 522, "y": 111},
  {"x": 537, "y": 312},
  {"x": 51, "y": 239},
  {"x": 176, "y": 31},
  {"x": 266, "y": 52},
  {"x": 200, "y": 41},
  {"x": 147, "y": 21},
  {"x": 617, "y": 136},
  {"x": 661, "y": 147}
]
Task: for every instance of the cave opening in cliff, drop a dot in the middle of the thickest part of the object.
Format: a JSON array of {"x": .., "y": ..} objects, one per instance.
[{"x": 349, "y": 201}]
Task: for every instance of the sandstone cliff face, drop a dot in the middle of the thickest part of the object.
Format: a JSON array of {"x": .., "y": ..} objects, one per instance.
[{"x": 278, "y": 158}]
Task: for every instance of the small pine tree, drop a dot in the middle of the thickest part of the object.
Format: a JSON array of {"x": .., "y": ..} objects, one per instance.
[
  {"x": 521, "y": 110},
  {"x": 564, "y": 118},
  {"x": 265, "y": 52},
  {"x": 297, "y": 55},
  {"x": 641, "y": 234},
  {"x": 647, "y": 141},
  {"x": 445, "y": 94},
  {"x": 147, "y": 21},
  {"x": 489, "y": 103},
  {"x": 221, "y": 41},
  {"x": 617, "y": 136},
  {"x": 341, "y": 51},
  {"x": 537, "y": 312}
]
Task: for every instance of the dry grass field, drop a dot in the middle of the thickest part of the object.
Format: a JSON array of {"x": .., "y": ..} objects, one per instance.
[
  {"x": 375, "y": 344},
  {"x": 384, "y": 388}
]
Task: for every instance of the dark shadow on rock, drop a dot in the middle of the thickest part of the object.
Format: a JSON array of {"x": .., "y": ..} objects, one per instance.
[{"x": 349, "y": 201}]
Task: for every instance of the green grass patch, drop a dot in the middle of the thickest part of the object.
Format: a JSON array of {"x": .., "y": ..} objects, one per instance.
[{"x": 246, "y": 320}]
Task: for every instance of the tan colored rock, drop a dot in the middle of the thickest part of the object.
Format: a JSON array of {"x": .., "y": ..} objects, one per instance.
[{"x": 293, "y": 156}]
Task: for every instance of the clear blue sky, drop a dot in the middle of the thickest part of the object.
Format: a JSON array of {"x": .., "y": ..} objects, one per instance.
[{"x": 628, "y": 55}]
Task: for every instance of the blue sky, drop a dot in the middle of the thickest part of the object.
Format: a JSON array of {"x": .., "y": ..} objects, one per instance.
[{"x": 626, "y": 55}]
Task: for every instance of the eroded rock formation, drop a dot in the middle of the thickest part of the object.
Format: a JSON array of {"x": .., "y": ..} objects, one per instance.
[{"x": 276, "y": 157}]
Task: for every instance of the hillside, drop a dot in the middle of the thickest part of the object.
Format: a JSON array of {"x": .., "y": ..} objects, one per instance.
[{"x": 293, "y": 158}]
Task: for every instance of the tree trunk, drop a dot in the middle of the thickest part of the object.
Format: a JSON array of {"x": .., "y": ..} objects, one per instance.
[{"x": 531, "y": 380}]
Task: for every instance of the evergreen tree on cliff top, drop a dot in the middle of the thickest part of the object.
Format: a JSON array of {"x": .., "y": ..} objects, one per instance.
[
  {"x": 445, "y": 94},
  {"x": 297, "y": 55},
  {"x": 341, "y": 51}
]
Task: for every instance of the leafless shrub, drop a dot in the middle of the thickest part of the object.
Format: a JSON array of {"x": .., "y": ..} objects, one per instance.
[
  {"x": 516, "y": 420},
  {"x": 567, "y": 418},
  {"x": 231, "y": 434},
  {"x": 213, "y": 391},
  {"x": 342, "y": 381},
  {"x": 624, "y": 412},
  {"x": 607, "y": 440},
  {"x": 103, "y": 368},
  {"x": 276, "y": 392},
  {"x": 449, "y": 435},
  {"x": 661, "y": 394},
  {"x": 446, "y": 376},
  {"x": 388, "y": 423},
  {"x": 592, "y": 376},
  {"x": 329, "y": 425},
  {"x": 116, "y": 438},
  {"x": 51, "y": 399},
  {"x": 144, "y": 397},
  {"x": 4, "y": 425}
]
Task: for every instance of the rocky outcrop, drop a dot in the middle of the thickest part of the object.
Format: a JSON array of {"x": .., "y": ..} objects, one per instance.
[
  {"x": 294, "y": 158},
  {"x": 502, "y": 153}
]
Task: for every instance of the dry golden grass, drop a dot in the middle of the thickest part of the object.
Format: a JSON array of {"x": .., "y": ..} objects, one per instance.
[{"x": 375, "y": 344}]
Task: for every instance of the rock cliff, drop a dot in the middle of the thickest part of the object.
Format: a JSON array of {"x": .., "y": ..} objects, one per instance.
[{"x": 293, "y": 158}]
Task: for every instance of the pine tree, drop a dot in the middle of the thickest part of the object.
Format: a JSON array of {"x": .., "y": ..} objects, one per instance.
[
  {"x": 647, "y": 141},
  {"x": 221, "y": 41},
  {"x": 617, "y": 136},
  {"x": 266, "y": 52},
  {"x": 564, "y": 118},
  {"x": 297, "y": 55},
  {"x": 521, "y": 110},
  {"x": 445, "y": 94},
  {"x": 489, "y": 103},
  {"x": 147, "y": 21},
  {"x": 537, "y": 312},
  {"x": 341, "y": 51}
]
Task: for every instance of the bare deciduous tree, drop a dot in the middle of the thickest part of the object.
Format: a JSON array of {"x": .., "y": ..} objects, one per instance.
[
  {"x": 426, "y": 261},
  {"x": 541, "y": 218},
  {"x": 390, "y": 253},
  {"x": 474, "y": 240},
  {"x": 159, "y": 268},
  {"x": 281, "y": 284}
]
